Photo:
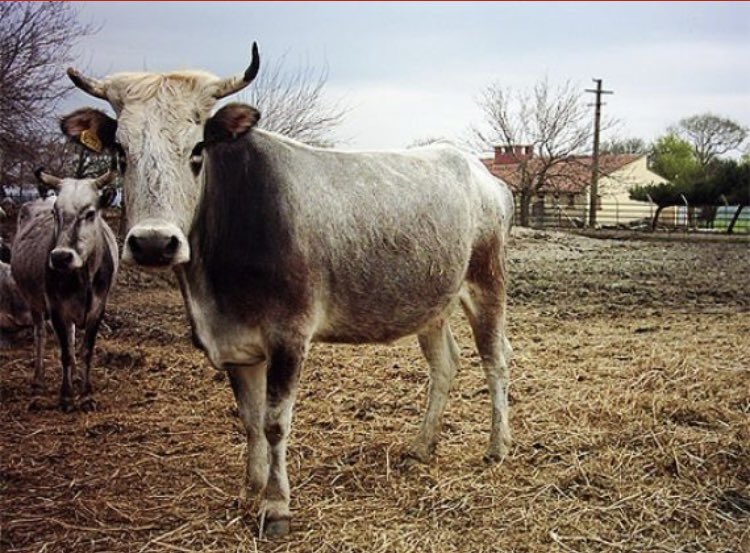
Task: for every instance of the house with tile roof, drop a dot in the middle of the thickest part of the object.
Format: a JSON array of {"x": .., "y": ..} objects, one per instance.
[{"x": 563, "y": 197}]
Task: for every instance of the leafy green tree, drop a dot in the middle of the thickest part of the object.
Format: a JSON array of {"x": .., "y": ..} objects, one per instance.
[
  {"x": 730, "y": 182},
  {"x": 718, "y": 182},
  {"x": 665, "y": 194},
  {"x": 674, "y": 159}
]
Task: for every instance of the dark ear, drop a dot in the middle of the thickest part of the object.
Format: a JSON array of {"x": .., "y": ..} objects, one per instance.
[
  {"x": 107, "y": 196},
  {"x": 229, "y": 122},
  {"x": 91, "y": 128}
]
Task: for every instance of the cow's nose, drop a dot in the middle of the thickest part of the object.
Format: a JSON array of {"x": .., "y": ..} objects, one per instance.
[
  {"x": 153, "y": 250},
  {"x": 61, "y": 259},
  {"x": 156, "y": 244}
]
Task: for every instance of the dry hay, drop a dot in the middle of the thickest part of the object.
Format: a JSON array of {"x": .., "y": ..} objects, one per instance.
[{"x": 630, "y": 412}]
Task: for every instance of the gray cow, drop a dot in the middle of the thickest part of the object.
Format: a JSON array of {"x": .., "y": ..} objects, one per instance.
[
  {"x": 64, "y": 260},
  {"x": 14, "y": 311},
  {"x": 278, "y": 245}
]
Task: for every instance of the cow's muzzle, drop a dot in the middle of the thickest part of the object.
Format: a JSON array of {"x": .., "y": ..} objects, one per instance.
[
  {"x": 64, "y": 260},
  {"x": 157, "y": 246}
]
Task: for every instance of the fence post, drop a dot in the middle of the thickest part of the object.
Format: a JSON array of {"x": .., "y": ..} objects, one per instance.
[{"x": 687, "y": 212}]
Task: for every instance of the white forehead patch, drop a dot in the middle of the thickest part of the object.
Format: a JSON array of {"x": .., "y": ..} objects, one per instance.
[
  {"x": 76, "y": 194},
  {"x": 134, "y": 88}
]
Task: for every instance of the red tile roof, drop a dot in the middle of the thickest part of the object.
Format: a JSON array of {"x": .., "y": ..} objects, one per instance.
[{"x": 572, "y": 175}]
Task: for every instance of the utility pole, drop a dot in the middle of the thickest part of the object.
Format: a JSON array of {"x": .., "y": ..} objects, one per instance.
[{"x": 595, "y": 158}]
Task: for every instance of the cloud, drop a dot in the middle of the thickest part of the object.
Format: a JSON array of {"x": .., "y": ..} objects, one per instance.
[
  {"x": 411, "y": 70},
  {"x": 385, "y": 116}
]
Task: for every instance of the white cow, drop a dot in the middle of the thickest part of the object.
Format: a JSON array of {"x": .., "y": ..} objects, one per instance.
[{"x": 278, "y": 245}]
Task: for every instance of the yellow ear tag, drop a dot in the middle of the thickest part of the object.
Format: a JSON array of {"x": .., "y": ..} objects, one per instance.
[{"x": 91, "y": 141}]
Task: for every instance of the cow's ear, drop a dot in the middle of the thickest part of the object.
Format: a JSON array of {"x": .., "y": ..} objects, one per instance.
[
  {"x": 91, "y": 128},
  {"x": 230, "y": 122},
  {"x": 107, "y": 196}
]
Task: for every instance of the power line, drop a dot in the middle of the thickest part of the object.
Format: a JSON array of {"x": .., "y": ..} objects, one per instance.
[{"x": 595, "y": 158}]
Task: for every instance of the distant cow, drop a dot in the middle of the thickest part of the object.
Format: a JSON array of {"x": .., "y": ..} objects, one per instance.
[
  {"x": 64, "y": 260},
  {"x": 278, "y": 244},
  {"x": 14, "y": 311}
]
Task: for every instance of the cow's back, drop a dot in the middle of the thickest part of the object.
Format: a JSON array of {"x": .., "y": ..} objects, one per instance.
[
  {"x": 31, "y": 247},
  {"x": 387, "y": 236}
]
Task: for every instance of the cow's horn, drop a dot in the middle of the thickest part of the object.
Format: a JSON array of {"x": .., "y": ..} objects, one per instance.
[
  {"x": 50, "y": 181},
  {"x": 105, "y": 179},
  {"x": 235, "y": 84},
  {"x": 87, "y": 84}
]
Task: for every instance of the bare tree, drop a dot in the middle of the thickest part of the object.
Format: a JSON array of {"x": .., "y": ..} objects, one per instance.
[
  {"x": 427, "y": 141},
  {"x": 711, "y": 135},
  {"x": 36, "y": 44},
  {"x": 554, "y": 121},
  {"x": 619, "y": 146},
  {"x": 293, "y": 103}
]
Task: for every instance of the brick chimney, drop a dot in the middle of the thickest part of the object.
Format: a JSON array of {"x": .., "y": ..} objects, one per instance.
[{"x": 507, "y": 155}]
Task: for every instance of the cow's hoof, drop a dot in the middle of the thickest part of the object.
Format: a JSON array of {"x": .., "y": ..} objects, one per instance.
[
  {"x": 36, "y": 404},
  {"x": 492, "y": 458},
  {"x": 495, "y": 455},
  {"x": 88, "y": 404},
  {"x": 417, "y": 455},
  {"x": 67, "y": 405},
  {"x": 276, "y": 528}
]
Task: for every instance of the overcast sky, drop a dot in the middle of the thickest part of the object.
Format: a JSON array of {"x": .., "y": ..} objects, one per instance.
[{"x": 414, "y": 70}]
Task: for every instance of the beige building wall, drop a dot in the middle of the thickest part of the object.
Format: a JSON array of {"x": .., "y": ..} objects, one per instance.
[{"x": 617, "y": 207}]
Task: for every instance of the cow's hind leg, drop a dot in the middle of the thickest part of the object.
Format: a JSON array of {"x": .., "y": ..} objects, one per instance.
[
  {"x": 284, "y": 367},
  {"x": 442, "y": 354},
  {"x": 249, "y": 387},
  {"x": 485, "y": 306}
]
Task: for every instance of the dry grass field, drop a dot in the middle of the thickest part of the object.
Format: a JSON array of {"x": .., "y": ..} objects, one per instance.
[{"x": 630, "y": 404}]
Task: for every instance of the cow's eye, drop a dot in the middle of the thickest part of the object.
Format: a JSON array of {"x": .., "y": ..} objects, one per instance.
[
  {"x": 196, "y": 158},
  {"x": 89, "y": 215}
]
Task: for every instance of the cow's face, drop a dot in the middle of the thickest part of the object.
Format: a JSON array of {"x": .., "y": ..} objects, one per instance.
[
  {"x": 77, "y": 215},
  {"x": 160, "y": 118}
]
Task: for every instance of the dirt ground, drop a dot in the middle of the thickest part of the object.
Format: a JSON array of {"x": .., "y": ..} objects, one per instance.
[{"x": 630, "y": 404}]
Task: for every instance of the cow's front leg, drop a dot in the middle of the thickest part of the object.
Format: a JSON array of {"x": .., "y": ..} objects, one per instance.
[
  {"x": 284, "y": 367},
  {"x": 249, "y": 387},
  {"x": 40, "y": 337},
  {"x": 87, "y": 402},
  {"x": 66, "y": 337}
]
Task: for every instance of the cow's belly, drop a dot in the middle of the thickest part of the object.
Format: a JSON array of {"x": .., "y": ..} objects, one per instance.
[
  {"x": 369, "y": 329},
  {"x": 386, "y": 312},
  {"x": 382, "y": 294}
]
